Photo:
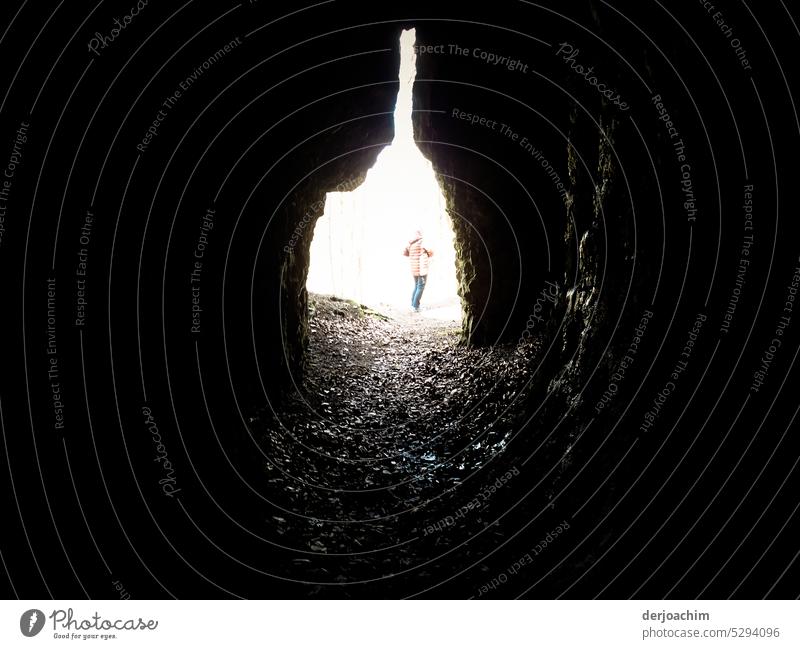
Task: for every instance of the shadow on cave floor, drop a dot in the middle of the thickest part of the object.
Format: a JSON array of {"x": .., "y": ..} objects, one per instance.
[{"x": 395, "y": 428}]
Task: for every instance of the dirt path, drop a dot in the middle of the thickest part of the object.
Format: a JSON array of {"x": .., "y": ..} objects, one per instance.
[{"x": 394, "y": 429}]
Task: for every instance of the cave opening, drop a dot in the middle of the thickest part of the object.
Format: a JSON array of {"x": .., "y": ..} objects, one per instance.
[
  {"x": 372, "y": 241},
  {"x": 394, "y": 419}
]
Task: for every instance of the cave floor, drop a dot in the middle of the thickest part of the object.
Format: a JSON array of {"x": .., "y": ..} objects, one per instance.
[{"x": 379, "y": 461}]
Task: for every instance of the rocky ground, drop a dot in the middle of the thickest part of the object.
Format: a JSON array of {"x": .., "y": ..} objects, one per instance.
[{"x": 394, "y": 429}]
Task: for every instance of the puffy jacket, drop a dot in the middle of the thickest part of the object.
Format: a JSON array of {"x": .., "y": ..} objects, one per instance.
[{"x": 418, "y": 255}]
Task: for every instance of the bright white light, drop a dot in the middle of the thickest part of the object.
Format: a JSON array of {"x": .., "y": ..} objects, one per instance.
[{"x": 357, "y": 249}]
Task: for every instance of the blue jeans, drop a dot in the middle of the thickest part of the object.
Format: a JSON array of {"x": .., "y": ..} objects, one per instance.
[{"x": 419, "y": 287}]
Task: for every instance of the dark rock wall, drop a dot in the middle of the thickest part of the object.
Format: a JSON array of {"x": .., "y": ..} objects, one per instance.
[{"x": 343, "y": 120}]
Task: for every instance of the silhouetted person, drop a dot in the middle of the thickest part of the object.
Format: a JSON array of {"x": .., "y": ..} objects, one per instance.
[{"x": 418, "y": 254}]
